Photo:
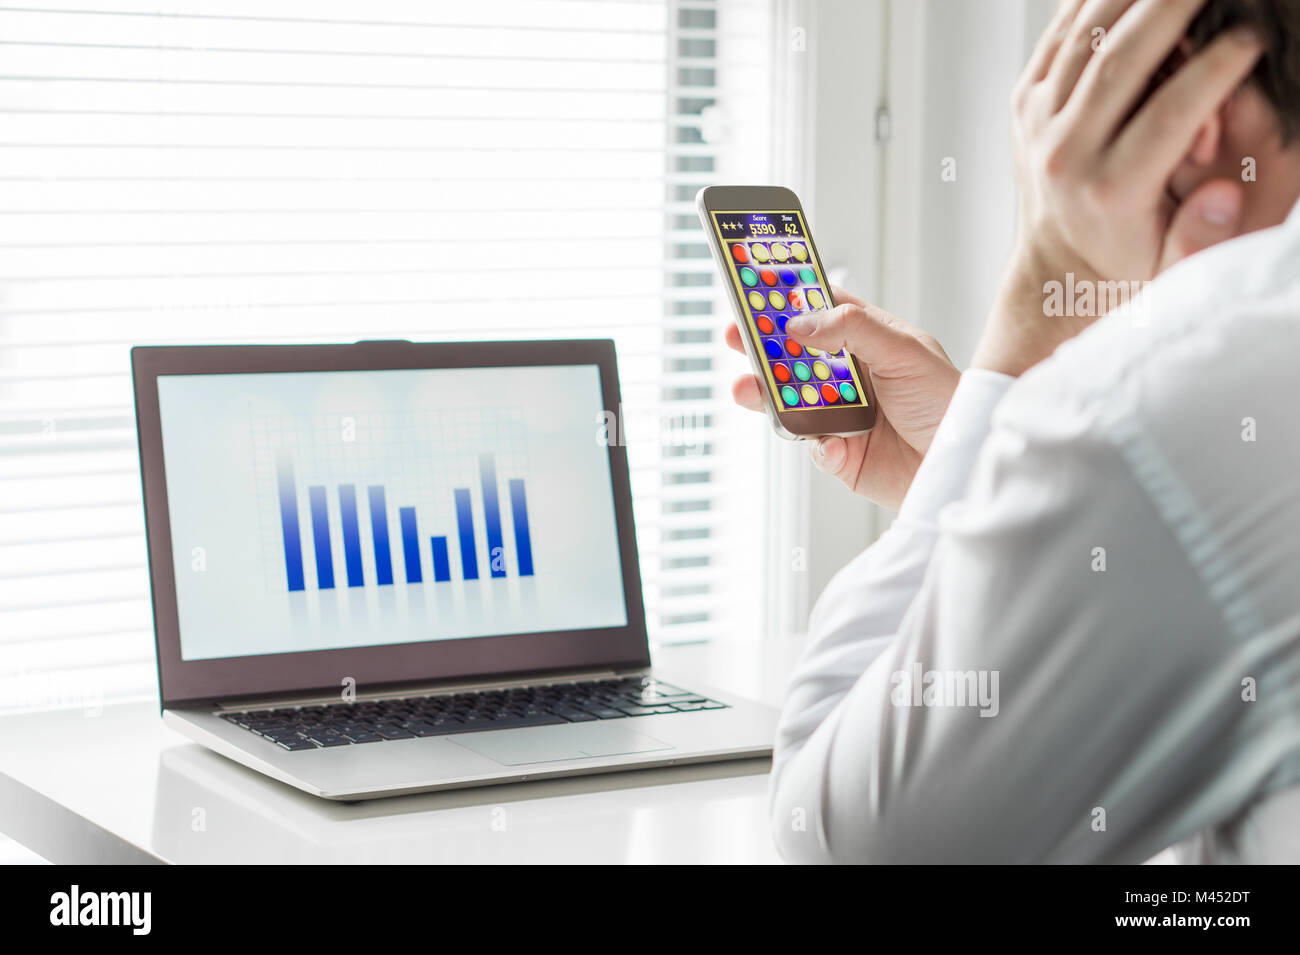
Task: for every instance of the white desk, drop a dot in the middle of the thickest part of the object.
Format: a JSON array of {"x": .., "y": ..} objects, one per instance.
[{"x": 121, "y": 787}]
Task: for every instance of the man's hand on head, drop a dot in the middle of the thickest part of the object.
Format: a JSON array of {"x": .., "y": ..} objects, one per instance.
[{"x": 1095, "y": 147}]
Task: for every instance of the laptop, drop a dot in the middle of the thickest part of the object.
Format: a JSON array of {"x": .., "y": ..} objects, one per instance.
[{"x": 393, "y": 567}]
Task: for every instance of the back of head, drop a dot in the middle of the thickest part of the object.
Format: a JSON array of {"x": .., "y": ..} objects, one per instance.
[{"x": 1277, "y": 75}]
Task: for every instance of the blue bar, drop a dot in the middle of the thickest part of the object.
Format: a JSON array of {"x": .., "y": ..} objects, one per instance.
[
  {"x": 487, "y": 470},
  {"x": 465, "y": 524},
  {"x": 523, "y": 540},
  {"x": 379, "y": 529},
  {"x": 441, "y": 563},
  {"x": 351, "y": 534},
  {"x": 289, "y": 525},
  {"x": 320, "y": 535},
  {"x": 410, "y": 545}
]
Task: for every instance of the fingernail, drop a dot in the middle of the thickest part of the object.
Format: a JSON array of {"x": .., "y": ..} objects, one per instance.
[
  {"x": 800, "y": 325},
  {"x": 1246, "y": 35},
  {"x": 1219, "y": 210},
  {"x": 819, "y": 452}
]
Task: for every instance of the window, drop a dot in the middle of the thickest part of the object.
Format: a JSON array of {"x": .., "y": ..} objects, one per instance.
[{"x": 325, "y": 170}]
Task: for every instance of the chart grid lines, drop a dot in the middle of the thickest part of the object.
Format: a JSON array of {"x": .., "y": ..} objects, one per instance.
[{"x": 423, "y": 489}]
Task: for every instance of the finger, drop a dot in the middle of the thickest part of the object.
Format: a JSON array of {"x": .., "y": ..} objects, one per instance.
[
  {"x": 1210, "y": 215},
  {"x": 747, "y": 392},
  {"x": 1045, "y": 49},
  {"x": 1115, "y": 78},
  {"x": 1077, "y": 48},
  {"x": 1156, "y": 139},
  {"x": 830, "y": 454},
  {"x": 872, "y": 334},
  {"x": 731, "y": 335}
]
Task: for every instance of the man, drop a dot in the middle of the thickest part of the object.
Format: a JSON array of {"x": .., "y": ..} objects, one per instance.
[{"x": 1080, "y": 639}]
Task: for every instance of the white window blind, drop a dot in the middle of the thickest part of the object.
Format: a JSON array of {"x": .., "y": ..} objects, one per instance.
[{"x": 330, "y": 170}]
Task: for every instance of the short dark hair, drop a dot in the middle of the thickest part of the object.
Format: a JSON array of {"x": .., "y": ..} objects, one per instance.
[{"x": 1277, "y": 74}]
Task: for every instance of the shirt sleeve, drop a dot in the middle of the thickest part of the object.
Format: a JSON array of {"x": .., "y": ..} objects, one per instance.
[
  {"x": 1048, "y": 689},
  {"x": 859, "y": 612}
]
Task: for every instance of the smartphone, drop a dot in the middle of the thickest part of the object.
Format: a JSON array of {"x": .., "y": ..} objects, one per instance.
[{"x": 760, "y": 240}]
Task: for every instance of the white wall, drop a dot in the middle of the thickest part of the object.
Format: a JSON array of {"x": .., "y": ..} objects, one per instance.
[
  {"x": 842, "y": 193},
  {"x": 927, "y": 249},
  {"x": 949, "y": 102}
]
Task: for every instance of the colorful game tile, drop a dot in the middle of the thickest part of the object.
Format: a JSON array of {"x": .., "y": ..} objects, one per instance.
[{"x": 777, "y": 276}]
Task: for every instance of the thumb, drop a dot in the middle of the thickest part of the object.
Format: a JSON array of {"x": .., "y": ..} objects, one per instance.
[
  {"x": 870, "y": 333},
  {"x": 1208, "y": 216}
]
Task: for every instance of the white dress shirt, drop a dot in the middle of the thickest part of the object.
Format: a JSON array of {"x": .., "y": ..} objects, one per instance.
[{"x": 1080, "y": 639}]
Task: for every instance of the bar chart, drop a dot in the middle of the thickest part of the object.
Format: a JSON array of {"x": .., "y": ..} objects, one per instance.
[
  {"x": 369, "y": 507},
  {"x": 419, "y": 563}
]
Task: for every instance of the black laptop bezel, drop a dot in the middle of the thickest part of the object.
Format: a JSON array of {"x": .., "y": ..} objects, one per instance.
[{"x": 197, "y": 682}]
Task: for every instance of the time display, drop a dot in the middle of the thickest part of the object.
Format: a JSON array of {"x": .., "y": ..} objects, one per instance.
[{"x": 756, "y": 225}]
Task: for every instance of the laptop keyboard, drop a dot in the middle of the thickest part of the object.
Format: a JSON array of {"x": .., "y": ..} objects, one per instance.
[{"x": 370, "y": 721}]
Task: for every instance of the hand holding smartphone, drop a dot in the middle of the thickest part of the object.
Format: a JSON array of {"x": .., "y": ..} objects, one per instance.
[{"x": 762, "y": 245}]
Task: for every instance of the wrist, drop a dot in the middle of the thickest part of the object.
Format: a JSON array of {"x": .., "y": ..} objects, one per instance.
[{"x": 1022, "y": 329}]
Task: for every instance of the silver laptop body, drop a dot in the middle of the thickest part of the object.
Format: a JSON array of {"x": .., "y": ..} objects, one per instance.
[{"x": 311, "y": 624}]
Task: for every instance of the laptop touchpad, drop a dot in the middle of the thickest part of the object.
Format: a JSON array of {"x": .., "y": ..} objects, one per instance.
[{"x": 575, "y": 741}]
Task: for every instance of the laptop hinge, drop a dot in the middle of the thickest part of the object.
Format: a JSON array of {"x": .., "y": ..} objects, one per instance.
[{"x": 421, "y": 689}]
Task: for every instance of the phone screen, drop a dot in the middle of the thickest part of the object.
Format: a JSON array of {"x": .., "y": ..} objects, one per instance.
[{"x": 776, "y": 276}]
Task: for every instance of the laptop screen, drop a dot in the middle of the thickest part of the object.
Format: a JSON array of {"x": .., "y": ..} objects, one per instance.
[{"x": 334, "y": 509}]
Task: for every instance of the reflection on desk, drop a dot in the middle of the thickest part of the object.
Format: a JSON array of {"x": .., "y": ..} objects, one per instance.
[
  {"x": 209, "y": 810},
  {"x": 115, "y": 785}
]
